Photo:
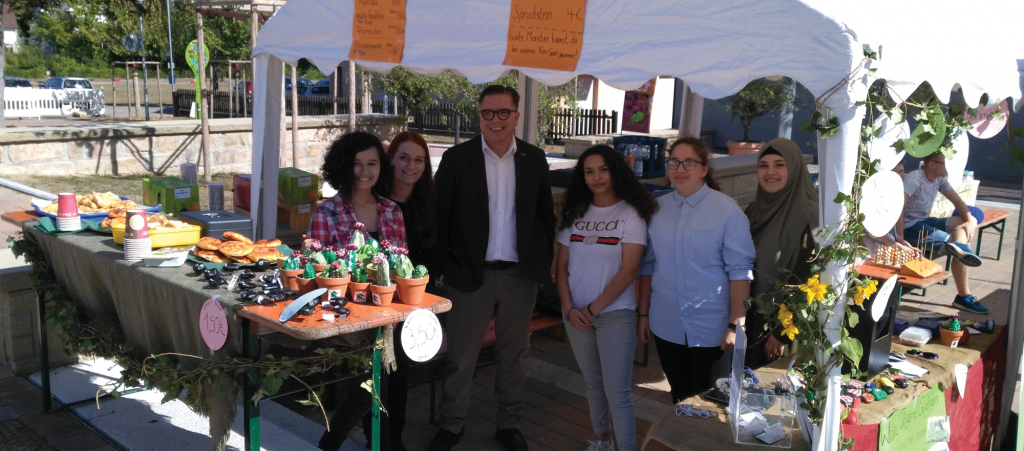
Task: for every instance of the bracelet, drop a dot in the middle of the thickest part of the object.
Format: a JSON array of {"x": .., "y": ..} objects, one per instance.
[
  {"x": 589, "y": 311},
  {"x": 732, "y": 326},
  {"x": 566, "y": 315}
]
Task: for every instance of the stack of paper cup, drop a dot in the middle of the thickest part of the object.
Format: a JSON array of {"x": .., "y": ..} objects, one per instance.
[
  {"x": 67, "y": 213},
  {"x": 137, "y": 244},
  {"x": 190, "y": 173},
  {"x": 216, "y": 193}
]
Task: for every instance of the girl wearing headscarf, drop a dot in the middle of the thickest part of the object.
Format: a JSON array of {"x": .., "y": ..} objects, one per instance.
[{"x": 783, "y": 223}]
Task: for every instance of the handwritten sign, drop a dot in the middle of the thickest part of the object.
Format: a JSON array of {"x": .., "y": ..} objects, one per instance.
[
  {"x": 545, "y": 34},
  {"x": 213, "y": 324},
  {"x": 636, "y": 108},
  {"x": 989, "y": 121},
  {"x": 378, "y": 31},
  {"x": 421, "y": 335},
  {"x": 907, "y": 429}
]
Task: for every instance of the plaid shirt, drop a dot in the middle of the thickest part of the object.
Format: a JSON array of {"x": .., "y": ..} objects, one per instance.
[{"x": 334, "y": 218}]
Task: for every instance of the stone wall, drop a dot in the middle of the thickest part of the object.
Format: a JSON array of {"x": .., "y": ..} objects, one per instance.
[
  {"x": 161, "y": 146},
  {"x": 19, "y": 321}
]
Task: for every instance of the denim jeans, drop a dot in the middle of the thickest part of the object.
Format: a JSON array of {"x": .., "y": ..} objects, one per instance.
[
  {"x": 605, "y": 354},
  {"x": 935, "y": 233}
]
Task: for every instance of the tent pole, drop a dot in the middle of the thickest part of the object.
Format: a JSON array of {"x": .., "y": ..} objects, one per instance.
[
  {"x": 1014, "y": 345},
  {"x": 205, "y": 105},
  {"x": 351, "y": 96},
  {"x": 295, "y": 117}
]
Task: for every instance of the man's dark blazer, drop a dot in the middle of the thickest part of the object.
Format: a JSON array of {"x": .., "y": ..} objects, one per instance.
[{"x": 464, "y": 220}]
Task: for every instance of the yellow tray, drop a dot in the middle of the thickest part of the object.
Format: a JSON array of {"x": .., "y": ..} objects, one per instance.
[{"x": 164, "y": 237}]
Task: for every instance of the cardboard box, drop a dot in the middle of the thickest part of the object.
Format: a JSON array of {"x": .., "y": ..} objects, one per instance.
[
  {"x": 297, "y": 187},
  {"x": 296, "y": 216},
  {"x": 172, "y": 193},
  {"x": 241, "y": 185}
]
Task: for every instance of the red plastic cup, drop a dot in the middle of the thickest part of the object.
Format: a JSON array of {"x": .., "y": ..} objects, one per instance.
[
  {"x": 67, "y": 206},
  {"x": 136, "y": 225}
]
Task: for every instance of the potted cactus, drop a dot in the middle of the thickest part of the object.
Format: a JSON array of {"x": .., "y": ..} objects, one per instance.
[
  {"x": 950, "y": 333},
  {"x": 306, "y": 281},
  {"x": 412, "y": 282},
  {"x": 319, "y": 261},
  {"x": 335, "y": 279},
  {"x": 382, "y": 289},
  {"x": 291, "y": 269},
  {"x": 357, "y": 287}
]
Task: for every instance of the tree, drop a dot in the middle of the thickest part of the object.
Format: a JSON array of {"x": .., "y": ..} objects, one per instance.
[{"x": 759, "y": 98}]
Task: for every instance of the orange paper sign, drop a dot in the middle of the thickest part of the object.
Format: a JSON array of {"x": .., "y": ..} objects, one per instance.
[
  {"x": 545, "y": 34},
  {"x": 378, "y": 31}
]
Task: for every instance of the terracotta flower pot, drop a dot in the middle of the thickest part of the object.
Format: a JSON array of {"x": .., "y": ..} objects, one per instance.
[
  {"x": 410, "y": 291},
  {"x": 305, "y": 285},
  {"x": 320, "y": 268},
  {"x": 950, "y": 338},
  {"x": 288, "y": 277},
  {"x": 336, "y": 287},
  {"x": 381, "y": 296},
  {"x": 357, "y": 292},
  {"x": 742, "y": 147}
]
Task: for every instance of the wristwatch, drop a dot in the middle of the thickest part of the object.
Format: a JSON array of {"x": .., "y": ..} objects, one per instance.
[{"x": 732, "y": 326}]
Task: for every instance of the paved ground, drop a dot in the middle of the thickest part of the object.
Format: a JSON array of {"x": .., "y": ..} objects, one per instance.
[{"x": 556, "y": 413}]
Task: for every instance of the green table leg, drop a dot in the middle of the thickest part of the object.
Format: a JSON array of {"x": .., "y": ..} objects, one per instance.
[
  {"x": 376, "y": 392},
  {"x": 44, "y": 354},
  {"x": 250, "y": 410}
]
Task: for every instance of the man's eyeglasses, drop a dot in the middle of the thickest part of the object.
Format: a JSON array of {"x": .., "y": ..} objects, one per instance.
[
  {"x": 489, "y": 114},
  {"x": 688, "y": 164}
]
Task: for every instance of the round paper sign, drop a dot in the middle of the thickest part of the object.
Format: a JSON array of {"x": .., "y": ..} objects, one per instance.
[
  {"x": 986, "y": 124},
  {"x": 881, "y": 149},
  {"x": 421, "y": 335},
  {"x": 920, "y": 149},
  {"x": 213, "y": 324},
  {"x": 881, "y": 202},
  {"x": 882, "y": 298}
]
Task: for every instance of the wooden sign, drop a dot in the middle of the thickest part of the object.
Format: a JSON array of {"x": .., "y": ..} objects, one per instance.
[
  {"x": 545, "y": 34},
  {"x": 378, "y": 31}
]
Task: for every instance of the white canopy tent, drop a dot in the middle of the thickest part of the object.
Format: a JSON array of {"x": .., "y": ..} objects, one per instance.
[{"x": 715, "y": 47}]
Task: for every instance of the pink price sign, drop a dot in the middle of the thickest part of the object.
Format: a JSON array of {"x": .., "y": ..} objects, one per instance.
[
  {"x": 213, "y": 324},
  {"x": 989, "y": 121}
]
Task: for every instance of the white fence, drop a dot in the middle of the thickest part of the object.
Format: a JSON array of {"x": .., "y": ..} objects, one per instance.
[{"x": 36, "y": 102}]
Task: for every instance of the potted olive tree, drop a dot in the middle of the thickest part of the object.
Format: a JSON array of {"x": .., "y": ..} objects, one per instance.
[{"x": 757, "y": 99}]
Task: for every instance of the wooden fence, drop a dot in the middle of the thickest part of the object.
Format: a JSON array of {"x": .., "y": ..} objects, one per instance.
[{"x": 227, "y": 104}]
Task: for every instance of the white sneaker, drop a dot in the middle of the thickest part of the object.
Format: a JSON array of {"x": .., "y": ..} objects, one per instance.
[{"x": 600, "y": 445}]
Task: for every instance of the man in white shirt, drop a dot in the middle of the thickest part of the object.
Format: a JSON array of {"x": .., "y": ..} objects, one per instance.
[
  {"x": 920, "y": 188},
  {"x": 496, "y": 234}
]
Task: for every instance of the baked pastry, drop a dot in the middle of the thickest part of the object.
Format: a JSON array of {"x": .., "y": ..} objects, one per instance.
[
  {"x": 242, "y": 260},
  {"x": 236, "y": 248},
  {"x": 235, "y": 236},
  {"x": 264, "y": 252},
  {"x": 212, "y": 256},
  {"x": 117, "y": 213},
  {"x": 209, "y": 243},
  {"x": 268, "y": 243}
]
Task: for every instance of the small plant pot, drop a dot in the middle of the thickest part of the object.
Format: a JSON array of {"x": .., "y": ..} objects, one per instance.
[
  {"x": 410, "y": 291},
  {"x": 358, "y": 292},
  {"x": 743, "y": 147},
  {"x": 372, "y": 274},
  {"x": 950, "y": 338},
  {"x": 288, "y": 277},
  {"x": 336, "y": 287},
  {"x": 320, "y": 268},
  {"x": 381, "y": 296},
  {"x": 305, "y": 285}
]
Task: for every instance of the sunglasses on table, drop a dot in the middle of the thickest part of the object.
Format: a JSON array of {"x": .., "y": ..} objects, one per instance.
[
  {"x": 502, "y": 114},
  {"x": 922, "y": 354}
]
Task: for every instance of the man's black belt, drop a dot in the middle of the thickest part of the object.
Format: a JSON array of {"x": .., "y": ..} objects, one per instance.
[{"x": 499, "y": 265}]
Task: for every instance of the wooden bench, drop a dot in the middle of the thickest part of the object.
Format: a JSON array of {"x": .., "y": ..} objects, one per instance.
[
  {"x": 539, "y": 322},
  {"x": 994, "y": 219}
]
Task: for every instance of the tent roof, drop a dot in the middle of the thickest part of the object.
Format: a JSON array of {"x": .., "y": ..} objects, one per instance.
[{"x": 716, "y": 47}]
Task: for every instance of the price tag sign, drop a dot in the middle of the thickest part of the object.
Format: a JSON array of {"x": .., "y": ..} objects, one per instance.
[
  {"x": 213, "y": 324},
  {"x": 421, "y": 335},
  {"x": 378, "y": 30},
  {"x": 546, "y": 34}
]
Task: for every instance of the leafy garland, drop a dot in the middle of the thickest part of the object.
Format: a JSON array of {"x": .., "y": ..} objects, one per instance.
[
  {"x": 172, "y": 373},
  {"x": 806, "y": 308}
]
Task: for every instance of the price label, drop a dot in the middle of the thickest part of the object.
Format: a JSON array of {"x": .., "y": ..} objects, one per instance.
[
  {"x": 421, "y": 335},
  {"x": 213, "y": 324},
  {"x": 182, "y": 193},
  {"x": 303, "y": 208},
  {"x": 305, "y": 181}
]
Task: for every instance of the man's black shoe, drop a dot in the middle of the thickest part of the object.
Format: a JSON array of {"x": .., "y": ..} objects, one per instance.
[
  {"x": 511, "y": 439},
  {"x": 445, "y": 440}
]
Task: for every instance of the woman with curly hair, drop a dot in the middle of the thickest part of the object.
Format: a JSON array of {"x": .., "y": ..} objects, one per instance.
[
  {"x": 358, "y": 168},
  {"x": 602, "y": 237},
  {"x": 695, "y": 274}
]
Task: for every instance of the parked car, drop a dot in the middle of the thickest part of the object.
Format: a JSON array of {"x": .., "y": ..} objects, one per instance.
[
  {"x": 16, "y": 82},
  {"x": 67, "y": 83},
  {"x": 304, "y": 85},
  {"x": 322, "y": 88},
  {"x": 248, "y": 87}
]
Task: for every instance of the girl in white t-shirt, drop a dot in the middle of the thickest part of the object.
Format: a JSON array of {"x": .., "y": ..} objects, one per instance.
[{"x": 601, "y": 240}]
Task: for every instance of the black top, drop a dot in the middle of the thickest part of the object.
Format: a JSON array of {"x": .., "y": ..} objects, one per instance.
[{"x": 416, "y": 234}]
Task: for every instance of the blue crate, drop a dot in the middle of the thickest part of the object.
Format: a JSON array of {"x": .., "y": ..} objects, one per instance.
[
  {"x": 657, "y": 190},
  {"x": 654, "y": 166}
]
